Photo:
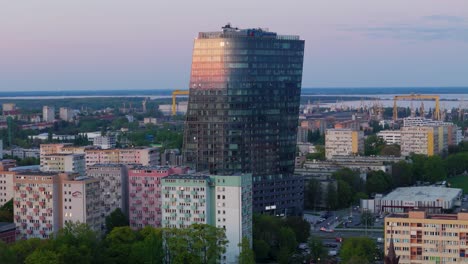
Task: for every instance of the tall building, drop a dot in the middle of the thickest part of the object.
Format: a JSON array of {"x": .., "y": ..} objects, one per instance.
[
  {"x": 343, "y": 142},
  {"x": 243, "y": 112},
  {"x": 73, "y": 163},
  {"x": 48, "y": 113},
  {"x": 423, "y": 238},
  {"x": 221, "y": 201},
  {"x": 420, "y": 140},
  {"x": 6, "y": 186},
  {"x": 45, "y": 201},
  {"x": 113, "y": 186},
  {"x": 144, "y": 196}
]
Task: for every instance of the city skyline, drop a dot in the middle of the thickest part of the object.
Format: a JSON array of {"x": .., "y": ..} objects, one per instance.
[{"x": 54, "y": 45}]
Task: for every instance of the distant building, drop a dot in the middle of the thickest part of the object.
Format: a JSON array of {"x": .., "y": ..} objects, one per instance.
[
  {"x": 7, "y": 164},
  {"x": 171, "y": 157},
  {"x": 66, "y": 114},
  {"x": 48, "y": 113},
  {"x": 142, "y": 156},
  {"x": 302, "y": 134},
  {"x": 72, "y": 163},
  {"x": 422, "y": 140},
  {"x": 105, "y": 142},
  {"x": 150, "y": 120},
  {"x": 24, "y": 153},
  {"x": 1, "y": 149},
  {"x": 221, "y": 201},
  {"x": 144, "y": 197},
  {"x": 339, "y": 142},
  {"x": 113, "y": 186},
  {"x": 6, "y": 186},
  {"x": 390, "y": 136},
  {"x": 8, "y": 107},
  {"x": 420, "y": 237}
]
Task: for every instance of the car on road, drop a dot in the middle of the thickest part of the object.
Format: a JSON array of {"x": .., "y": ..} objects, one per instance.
[
  {"x": 339, "y": 239},
  {"x": 330, "y": 245}
]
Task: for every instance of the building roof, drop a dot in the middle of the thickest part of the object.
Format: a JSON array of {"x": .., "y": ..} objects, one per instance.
[
  {"x": 187, "y": 177},
  {"x": 36, "y": 173},
  {"x": 423, "y": 193},
  {"x": 6, "y": 226}
]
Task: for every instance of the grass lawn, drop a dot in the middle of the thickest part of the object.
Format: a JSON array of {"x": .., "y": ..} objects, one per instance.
[{"x": 460, "y": 181}]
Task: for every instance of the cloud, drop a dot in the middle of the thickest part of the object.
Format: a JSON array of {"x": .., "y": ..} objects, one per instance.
[{"x": 429, "y": 28}]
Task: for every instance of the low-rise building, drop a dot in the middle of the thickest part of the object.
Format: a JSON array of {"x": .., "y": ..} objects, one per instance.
[
  {"x": 7, "y": 232},
  {"x": 221, "y": 201},
  {"x": 390, "y": 136},
  {"x": 343, "y": 142},
  {"x": 142, "y": 156},
  {"x": 104, "y": 142},
  {"x": 431, "y": 198}
]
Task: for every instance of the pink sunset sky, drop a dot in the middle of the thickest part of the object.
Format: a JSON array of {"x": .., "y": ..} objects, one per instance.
[{"x": 139, "y": 44}]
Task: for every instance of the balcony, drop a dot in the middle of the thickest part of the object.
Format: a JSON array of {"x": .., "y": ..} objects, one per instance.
[
  {"x": 36, "y": 196},
  {"x": 17, "y": 217},
  {"x": 29, "y": 203},
  {"x": 28, "y": 189},
  {"x": 42, "y": 232},
  {"x": 145, "y": 195},
  {"x": 145, "y": 209},
  {"x": 23, "y": 210},
  {"x": 151, "y": 202},
  {"x": 16, "y": 188},
  {"x": 36, "y": 210},
  {"x": 132, "y": 195},
  {"x": 42, "y": 218},
  {"x": 29, "y": 217},
  {"x": 42, "y": 203},
  {"x": 138, "y": 201},
  {"x": 24, "y": 225},
  {"x": 41, "y": 189},
  {"x": 132, "y": 208},
  {"x": 23, "y": 195},
  {"x": 49, "y": 225},
  {"x": 16, "y": 203},
  {"x": 36, "y": 224},
  {"x": 29, "y": 232}
]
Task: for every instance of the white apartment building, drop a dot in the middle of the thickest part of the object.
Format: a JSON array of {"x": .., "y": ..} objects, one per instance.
[
  {"x": 48, "y": 113},
  {"x": 113, "y": 186},
  {"x": 72, "y": 163},
  {"x": 341, "y": 142},
  {"x": 141, "y": 156},
  {"x": 390, "y": 136},
  {"x": 221, "y": 201},
  {"x": 82, "y": 202}
]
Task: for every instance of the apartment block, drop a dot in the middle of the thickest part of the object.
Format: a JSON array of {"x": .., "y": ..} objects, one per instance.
[
  {"x": 72, "y": 163},
  {"x": 390, "y": 136},
  {"x": 44, "y": 201},
  {"x": 145, "y": 194},
  {"x": 342, "y": 142},
  {"x": 420, "y": 140},
  {"x": 221, "y": 201},
  {"x": 6, "y": 186},
  {"x": 48, "y": 149},
  {"x": 48, "y": 113},
  {"x": 141, "y": 156},
  {"x": 171, "y": 157},
  {"x": 1, "y": 149},
  {"x": 113, "y": 186},
  {"x": 104, "y": 142},
  {"x": 423, "y": 238},
  {"x": 82, "y": 202},
  {"x": 302, "y": 134}
]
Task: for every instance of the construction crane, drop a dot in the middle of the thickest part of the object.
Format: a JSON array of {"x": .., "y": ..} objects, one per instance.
[
  {"x": 174, "y": 94},
  {"x": 437, "y": 115}
]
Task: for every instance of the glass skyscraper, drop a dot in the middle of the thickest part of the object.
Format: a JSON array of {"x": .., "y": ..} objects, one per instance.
[{"x": 243, "y": 112}]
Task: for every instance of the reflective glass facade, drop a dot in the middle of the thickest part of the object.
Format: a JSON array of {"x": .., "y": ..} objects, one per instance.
[{"x": 243, "y": 111}]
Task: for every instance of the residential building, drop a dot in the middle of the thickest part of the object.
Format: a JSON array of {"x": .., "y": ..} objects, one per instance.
[
  {"x": 144, "y": 197},
  {"x": 342, "y": 142},
  {"x": 24, "y": 153},
  {"x": 66, "y": 114},
  {"x": 82, "y": 202},
  {"x": 150, "y": 120},
  {"x": 420, "y": 140},
  {"x": 302, "y": 134},
  {"x": 243, "y": 111},
  {"x": 6, "y": 186},
  {"x": 8, "y": 107},
  {"x": 113, "y": 179},
  {"x": 171, "y": 157},
  {"x": 48, "y": 113},
  {"x": 432, "y": 199},
  {"x": 424, "y": 238},
  {"x": 73, "y": 163},
  {"x": 47, "y": 149},
  {"x": 142, "y": 156},
  {"x": 7, "y": 164},
  {"x": 105, "y": 142},
  {"x": 390, "y": 136},
  {"x": 221, "y": 201},
  {"x": 44, "y": 201}
]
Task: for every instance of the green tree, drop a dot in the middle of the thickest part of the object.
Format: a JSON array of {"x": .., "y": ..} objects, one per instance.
[
  {"x": 150, "y": 249},
  {"x": 358, "y": 248},
  {"x": 24, "y": 248},
  {"x": 261, "y": 249},
  {"x": 42, "y": 257},
  {"x": 119, "y": 244},
  {"x": 332, "y": 197},
  {"x": 313, "y": 194},
  {"x": 402, "y": 174},
  {"x": 300, "y": 227},
  {"x": 391, "y": 150},
  {"x": 367, "y": 218},
  {"x": 373, "y": 145},
  {"x": 345, "y": 196},
  {"x": 116, "y": 219},
  {"x": 434, "y": 169},
  {"x": 6, "y": 212},
  {"x": 7, "y": 255},
  {"x": 246, "y": 255},
  {"x": 317, "y": 251},
  {"x": 378, "y": 182},
  {"x": 456, "y": 163}
]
